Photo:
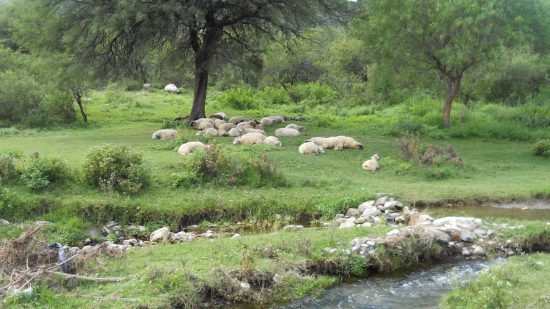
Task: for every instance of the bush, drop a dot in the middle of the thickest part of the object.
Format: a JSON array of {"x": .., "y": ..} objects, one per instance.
[
  {"x": 38, "y": 174},
  {"x": 8, "y": 168},
  {"x": 241, "y": 98},
  {"x": 275, "y": 96},
  {"x": 312, "y": 94},
  {"x": 542, "y": 148},
  {"x": 116, "y": 168},
  {"x": 237, "y": 168}
]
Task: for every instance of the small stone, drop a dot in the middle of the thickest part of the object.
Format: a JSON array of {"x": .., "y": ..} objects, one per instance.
[
  {"x": 467, "y": 236},
  {"x": 365, "y": 205},
  {"x": 393, "y": 232},
  {"x": 278, "y": 217},
  {"x": 467, "y": 251},
  {"x": 525, "y": 208},
  {"x": 389, "y": 205},
  {"x": 382, "y": 200},
  {"x": 366, "y": 224},
  {"x": 389, "y": 211},
  {"x": 236, "y": 235},
  {"x": 278, "y": 279},
  {"x": 348, "y": 224},
  {"x": 130, "y": 242},
  {"x": 245, "y": 286},
  {"x": 4, "y": 222},
  {"x": 361, "y": 220},
  {"x": 193, "y": 227},
  {"x": 160, "y": 235},
  {"x": 209, "y": 234},
  {"x": 339, "y": 216},
  {"x": 87, "y": 241},
  {"x": 478, "y": 250},
  {"x": 293, "y": 227},
  {"x": 352, "y": 212},
  {"x": 371, "y": 243},
  {"x": 371, "y": 212},
  {"x": 330, "y": 250},
  {"x": 340, "y": 220},
  {"x": 399, "y": 220}
]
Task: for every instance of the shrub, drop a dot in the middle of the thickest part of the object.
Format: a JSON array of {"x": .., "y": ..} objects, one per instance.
[
  {"x": 408, "y": 145},
  {"x": 239, "y": 98},
  {"x": 312, "y": 94},
  {"x": 275, "y": 96},
  {"x": 8, "y": 169},
  {"x": 116, "y": 168},
  {"x": 39, "y": 173},
  {"x": 214, "y": 165},
  {"x": 542, "y": 148}
]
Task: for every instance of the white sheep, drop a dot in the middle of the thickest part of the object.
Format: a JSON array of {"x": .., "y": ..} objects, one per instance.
[
  {"x": 266, "y": 121},
  {"x": 234, "y": 132},
  {"x": 295, "y": 126},
  {"x": 165, "y": 133},
  {"x": 203, "y": 125},
  {"x": 349, "y": 142},
  {"x": 272, "y": 140},
  {"x": 278, "y": 119},
  {"x": 286, "y": 132},
  {"x": 171, "y": 88},
  {"x": 236, "y": 120},
  {"x": 208, "y": 132},
  {"x": 218, "y": 115},
  {"x": 371, "y": 164},
  {"x": 224, "y": 128},
  {"x": 310, "y": 148},
  {"x": 218, "y": 123},
  {"x": 250, "y": 139},
  {"x": 252, "y": 130},
  {"x": 190, "y": 147}
]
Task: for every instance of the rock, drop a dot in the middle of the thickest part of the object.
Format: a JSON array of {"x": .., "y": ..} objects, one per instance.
[
  {"x": 478, "y": 250},
  {"x": 352, "y": 212},
  {"x": 130, "y": 242},
  {"x": 481, "y": 232},
  {"x": 365, "y": 205},
  {"x": 439, "y": 235},
  {"x": 467, "y": 223},
  {"x": 424, "y": 219},
  {"x": 370, "y": 243},
  {"x": 348, "y": 224},
  {"x": 44, "y": 223},
  {"x": 293, "y": 227},
  {"x": 278, "y": 279},
  {"x": 366, "y": 224},
  {"x": 86, "y": 249},
  {"x": 236, "y": 235},
  {"x": 399, "y": 220},
  {"x": 110, "y": 224},
  {"x": 160, "y": 235},
  {"x": 330, "y": 250},
  {"x": 467, "y": 236},
  {"x": 371, "y": 212},
  {"x": 361, "y": 220},
  {"x": 376, "y": 219},
  {"x": 278, "y": 217},
  {"x": 193, "y": 227},
  {"x": 171, "y": 88},
  {"x": 389, "y": 211},
  {"x": 340, "y": 220},
  {"x": 382, "y": 200},
  {"x": 525, "y": 208},
  {"x": 390, "y": 205},
  {"x": 339, "y": 216},
  {"x": 87, "y": 241},
  {"x": 4, "y": 222},
  {"x": 393, "y": 216},
  {"x": 245, "y": 286},
  {"x": 393, "y": 232},
  {"x": 467, "y": 251}
]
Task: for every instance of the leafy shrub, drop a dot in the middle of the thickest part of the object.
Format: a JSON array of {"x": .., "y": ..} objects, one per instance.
[
  {"x": 39, "y": 173},
  {"x": 542, "y": 148},
  {"x": 116, "y": 168},
  {"x": 8, "y": 168},
  {"x": 408, "y": 145},
  {"x": 406, "y": 126},
  {"x": 214, "y": 165},
  {"x": 241, "y": 98},
  {"x": 275, "y": 96},
  {"x": 312, "y": 94}
]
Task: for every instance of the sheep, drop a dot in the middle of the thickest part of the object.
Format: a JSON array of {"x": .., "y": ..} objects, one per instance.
[
  {"x": 278, "y": 119},
  {"x": 219, "y": 115},
  {"x": 295, "y": 126},
  {"x": 249, "y": 138},
  {"x": 251, "y": 123},
  {"x": 190, "y": 147},
  {"x": 224, "y": 128},
  {"x": 165, "y": 133},
  {"x": 349, "y": 142},
  {"x": 252, "y": 130},
  {"x": 203, "y": 125},
  {"x": 371, "y": 164},
  {"x": 208, "y": 132},
  {"x": 310, "y": 148},
  {"x": 234, "y": 132},
  {"x": 272, "y": 140},
  {"x": 286, "y": 132},
  {"x": 266, "y": 121},
  {"x": 236, "y": 120},
  {"x": 325, "y": 142},
  {"x": 218, "y": 123},
  {"x": 171, "y": 88}
]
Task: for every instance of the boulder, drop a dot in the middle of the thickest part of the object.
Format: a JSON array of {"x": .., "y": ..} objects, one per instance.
[
  {"x": 171, "y": 88},
  {"x": 350, "y": 222},
  {"x": 478, "y": 250},
  {"x": 365, "y": 205},
  {"x": 381, "y": 200},
  {"x": 371, "y": 212},
  {"x": 130, "y": 242},
  {"x": 361, "y": 220},
  {"x": 352, "y": 212},
  {"x": 393, "y": 232},
  {"x": 439, "y": 235},
  {"x": 467, "y": 223},
  {"x": 146, "y": 86},
  {"x": 467, "y": 236},
  {"x": 4, "y": 222},
  {"x": 160, "y": 235}
]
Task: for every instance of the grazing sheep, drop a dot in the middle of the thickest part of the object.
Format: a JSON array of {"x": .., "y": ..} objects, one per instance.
[
  {"x": 372, "y": 164},
  {"x": 236, "y": 120},
  {"x": 190, "y": 147},
  {"x": 295, "y": 126},
  {"x": 249, "y": 138},
  {"x": 218, "y": 123},
  {"x": 208, "y": 132},
  {"x": 286, "y": 132},
  {"x": 272, "y": 140},
  {"x": 349, "y": 142},
  {"x": 165, "y": 133},
  {"x": 219, "y": 115},
  {"x": 252, "y": 130},
  {"x": 310, "y": 148},
  {"x": 171, "y": 88},
  {"x": 234, "y": 132},
  {"x": 203, "y": 125},
  {"x": 266, "y": 121}
]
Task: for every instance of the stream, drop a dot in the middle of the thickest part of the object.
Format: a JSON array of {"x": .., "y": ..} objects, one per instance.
[{"x": 421, "y": 288}]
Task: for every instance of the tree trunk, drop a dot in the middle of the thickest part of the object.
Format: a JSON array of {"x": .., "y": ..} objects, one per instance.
[
  {"x": 78, "y": 97},
  {"x": 199, "y": 95},
  {"x": 451, "y": 91}
]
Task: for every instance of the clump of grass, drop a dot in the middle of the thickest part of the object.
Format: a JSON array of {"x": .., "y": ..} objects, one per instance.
[{"x": 542, "y": 148}]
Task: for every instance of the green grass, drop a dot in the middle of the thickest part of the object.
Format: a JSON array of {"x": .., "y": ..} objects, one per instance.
[
  {"x": 322, "y": 185},
  {"x": 522, "y": 282}
]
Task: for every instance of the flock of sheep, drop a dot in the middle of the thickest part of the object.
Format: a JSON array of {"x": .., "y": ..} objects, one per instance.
[{"x": 251, "y": 132}]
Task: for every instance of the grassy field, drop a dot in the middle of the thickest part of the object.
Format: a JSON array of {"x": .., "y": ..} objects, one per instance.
[{"x": 494, "y": 169}]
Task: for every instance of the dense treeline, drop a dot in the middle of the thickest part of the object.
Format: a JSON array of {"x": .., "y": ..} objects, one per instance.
[{"x": 368, "y": 54}]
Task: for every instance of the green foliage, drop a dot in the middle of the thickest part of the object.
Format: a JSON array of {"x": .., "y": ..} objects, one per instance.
[
  {"x": 542, "y": 148},
  {"x": 312, "y": 94},
  {"x": 72, "y": 231},
  {"x": 274, "y": 96},
  {"x": 8, "y": 167},
  {"x": 233, "y": 168},
  {"x": 39, "y": 173},
  {"x": 241, "y": 98},
  {"x": 116, "y": 168}
]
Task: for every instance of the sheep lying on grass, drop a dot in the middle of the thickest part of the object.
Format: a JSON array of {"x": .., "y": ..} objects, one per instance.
[
  {"x": 272, "y": 140},
  {"x": 234, "y": 132},
  {"x": 165, "y": 133},
  {"x": 336, "y": 143},
  {"x": 252, "y": 130},
  {"x": 190, "y": 147},
  {"x": 236, "y": 120},
  {"x": 310, "y": 148},
  {"x": 171, "y": 88},
  {"x": 295, "y": 126},
  {"x": 224, "y": 129},
  {"x": 266, "y": 121},
  {"x": 219, "y": 115},
  {"x": 371, "y": 164},
  {"x": 208, "y": 132},
  {"x": 203, "y": 125},
  {"x": 286, "y": 132},
  {"x": 349, "y": 142},
  {"x": 250, "y": 139}
]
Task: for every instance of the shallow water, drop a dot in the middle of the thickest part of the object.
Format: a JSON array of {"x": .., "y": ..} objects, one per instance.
[
  {"x": 534, "y": 211},
  {"x": 421, "y": 288}
]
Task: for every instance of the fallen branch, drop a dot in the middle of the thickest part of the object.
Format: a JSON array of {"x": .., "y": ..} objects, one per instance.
[{"x": 85, "y": 278}]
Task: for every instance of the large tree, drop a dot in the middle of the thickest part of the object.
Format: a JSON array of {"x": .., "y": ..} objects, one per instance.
[
  {"x": 117, "y": 35},
  {"x": 446, "y": 37}
]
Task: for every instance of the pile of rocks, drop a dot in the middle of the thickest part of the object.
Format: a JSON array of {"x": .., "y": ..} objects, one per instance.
[{"x": 164, "y": 235}]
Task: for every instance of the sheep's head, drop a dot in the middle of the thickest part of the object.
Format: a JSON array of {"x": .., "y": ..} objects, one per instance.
[
  {"x": 279, "y": 144},
  {"x": 375, "y": 157},
  {"x": 359, "y": 146},
  {"x": 321, "y": 150},
  {"x": 236, "y": 141},
  {"x": 156, "y": 135}
]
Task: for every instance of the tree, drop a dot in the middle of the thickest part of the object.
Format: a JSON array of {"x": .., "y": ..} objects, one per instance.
[
  {"x": 119, "y": 34},
  {"x": 446, "y": 37}
]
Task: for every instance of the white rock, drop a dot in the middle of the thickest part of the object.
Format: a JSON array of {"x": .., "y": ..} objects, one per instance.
[
  {"x": 293, "y": 227},
  {"x": 245, "y": 286},
  {"x": 371, "y": 212},
  {"x": 160, "y": 235},
  {"x": 352, "y": 212},
  {"x": 340, "y": 220},
  {"x": 460, "y": 222},
  {"x": 209, "y": 234},
  {"x": 467, "y": 251},
  {"x": 171, "y": 88},
  {"x": 236, "y": 235},
  {"x": 467, "y": 236},
  {"x": 382, "y": 200},
  {"x": 4, "y": 222},
  {"x": 393, "y": 232},
  {"x": 366, "y": 224},
  {"x": 478, "y": 250},
  {"x": 365, "y": 205},
  {"x": 361, "y": 220},
  {"x": 130, "y": 242},
  {"x": 350, "y": 222}
]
